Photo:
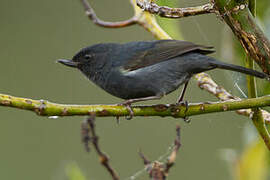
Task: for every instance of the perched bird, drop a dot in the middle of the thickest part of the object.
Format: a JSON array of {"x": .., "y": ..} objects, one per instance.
[{"x": 146, "y": 70}]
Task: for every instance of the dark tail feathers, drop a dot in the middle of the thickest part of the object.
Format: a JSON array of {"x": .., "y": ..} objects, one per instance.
[{"x": 241, "y": 69}]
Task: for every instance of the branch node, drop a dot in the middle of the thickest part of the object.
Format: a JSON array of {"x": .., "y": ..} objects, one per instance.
[
  {"x": 165, "y": 11},
  {"x": 41, "y": 108},
  {"x": 88, "y": 132},
  {"x": 158, "y": 170}
]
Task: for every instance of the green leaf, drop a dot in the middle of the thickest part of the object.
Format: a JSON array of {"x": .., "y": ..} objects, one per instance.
[
  {"x": 253, "y": 163},
  {"x": 74, "y": 173}
]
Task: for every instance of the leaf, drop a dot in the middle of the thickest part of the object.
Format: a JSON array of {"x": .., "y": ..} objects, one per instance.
[
  {"x": 74, "y": 173},
  {"x": 253, "y": 163}
]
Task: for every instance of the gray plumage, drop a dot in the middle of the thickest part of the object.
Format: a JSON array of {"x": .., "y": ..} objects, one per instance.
[{"x": 145, "y": 69}]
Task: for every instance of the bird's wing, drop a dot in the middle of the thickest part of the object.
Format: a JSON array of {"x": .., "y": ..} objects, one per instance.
[{"x": 163, "y": 50}]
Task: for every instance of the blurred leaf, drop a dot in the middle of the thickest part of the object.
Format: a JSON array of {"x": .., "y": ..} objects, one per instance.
[
  {"x": 253, "y": 163},
  {"x": 263, "y": 7},
  {"x": 74, "y": 172},
  {"x": 171, "y": 26}
]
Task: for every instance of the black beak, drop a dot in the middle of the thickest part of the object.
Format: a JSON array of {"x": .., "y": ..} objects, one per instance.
[{"x": 69, "y": 63}]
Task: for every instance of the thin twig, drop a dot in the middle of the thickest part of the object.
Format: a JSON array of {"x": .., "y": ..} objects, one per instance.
[
  {"x": 206, "y": 83},
  {"x": 168, "y": 12},
  {"x": 259, "y": 123},
  {"x": 146, "y": 161},
  {"x": 172, "y": 157},
  {"x": 103, "y": 158},
  {"x": 158, "y": 170},
  {"x": 85, "y": 129},
  {"x": 89, "y": 11}
]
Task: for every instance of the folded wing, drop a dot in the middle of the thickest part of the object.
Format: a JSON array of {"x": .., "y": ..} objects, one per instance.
[{"x": 163, "y": 50}]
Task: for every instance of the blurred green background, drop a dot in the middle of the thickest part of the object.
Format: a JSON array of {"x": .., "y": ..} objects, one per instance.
[{"x": 34, "y": 34}]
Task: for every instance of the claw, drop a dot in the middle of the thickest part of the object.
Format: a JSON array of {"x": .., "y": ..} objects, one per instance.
[
  {"x": 185, "y": 103},
  {"x": 186, "y": 119},
  {"x": 131, "y": 113},
  {"x": 128, "y": 103},
  {"x": 128, "y": 106}
]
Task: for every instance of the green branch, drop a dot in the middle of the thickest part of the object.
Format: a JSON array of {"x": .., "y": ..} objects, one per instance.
[
  {"x": 260, "y": 125},
  {"x": 238, "y": 16},
  {"x": 258, "y": 119},
  {"x": 251, "y": 82},
  {"x": 45, "y": 108}
]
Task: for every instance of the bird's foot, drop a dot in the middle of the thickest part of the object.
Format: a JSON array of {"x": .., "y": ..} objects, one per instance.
[
  {"x": 186, "y": 119},
  {"x": 185, "y": 103},
  {"x": 127, "y": 104}
]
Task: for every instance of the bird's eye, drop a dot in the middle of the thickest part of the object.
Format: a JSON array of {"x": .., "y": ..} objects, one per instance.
[{"x": 88, "y": 56}]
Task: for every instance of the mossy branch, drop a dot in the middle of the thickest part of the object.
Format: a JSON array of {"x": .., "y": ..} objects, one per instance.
[
  {"x": 46, "y": 108},
  {"x": 243, "y": 24},
  {"x": 259, "y": 123}
]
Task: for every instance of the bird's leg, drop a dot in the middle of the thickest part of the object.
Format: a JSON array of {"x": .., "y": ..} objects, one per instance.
[
  {"x": 181, "y": 97},
  {"x": 180, "y": 101},
  {"x": 128, "y": 103}
]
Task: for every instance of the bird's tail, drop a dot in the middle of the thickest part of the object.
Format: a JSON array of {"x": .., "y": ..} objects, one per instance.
[{"x": 241, "y": 69}]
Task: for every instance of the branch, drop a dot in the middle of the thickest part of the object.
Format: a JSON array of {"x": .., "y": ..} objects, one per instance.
[
  {"x": 258, "y": 119},
  {"x": 158, "y": 170},
  {"x": 89, "y": 134},
  {"x": 89, "y": 11},
  {"x": 259, "y": 123},
  {"x": 45, "y": 108},
  {"x": 172, "y": 157},
  {"x": 238, "y": 16},
  {"x": 206, "y": 83},
  {"x": 168, "y": 12}
]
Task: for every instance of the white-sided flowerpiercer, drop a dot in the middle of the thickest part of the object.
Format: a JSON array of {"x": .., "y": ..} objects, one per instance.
[{"x": 146, "y": 70}]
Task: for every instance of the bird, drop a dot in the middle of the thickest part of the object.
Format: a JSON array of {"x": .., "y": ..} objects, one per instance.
[{"x": 147, "y": 70}]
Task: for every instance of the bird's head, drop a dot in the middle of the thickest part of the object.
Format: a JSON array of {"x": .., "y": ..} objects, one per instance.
[{"x": 89, "y": 59}]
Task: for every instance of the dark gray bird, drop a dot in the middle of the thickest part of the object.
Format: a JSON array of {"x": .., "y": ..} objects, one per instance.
[{"x": 145, "y": 70}]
